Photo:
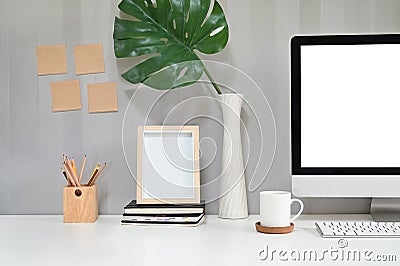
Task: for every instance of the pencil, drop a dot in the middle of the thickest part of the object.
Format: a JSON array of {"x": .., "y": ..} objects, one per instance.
[
  {"x": 97, "y": 175},
  {"x": 65, "y": 175},
  {"x": 83, "y": 167},
  {"x": 69, "y": 176},
  {"x": 96, "y": 169},
  {"x": 74, "y": 166},
  {"x": 71, "y": 170}
]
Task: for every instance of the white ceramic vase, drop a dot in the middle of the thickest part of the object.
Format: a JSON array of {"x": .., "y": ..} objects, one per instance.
[{"x": 233, "y": 195}]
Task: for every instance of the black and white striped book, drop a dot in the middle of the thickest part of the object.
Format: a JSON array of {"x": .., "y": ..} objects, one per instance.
[
  {"x": 163, "y": 220},
  {"x": 158, "y": 209}
]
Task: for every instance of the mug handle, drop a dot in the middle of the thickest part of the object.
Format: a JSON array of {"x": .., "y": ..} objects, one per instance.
[{"x": 300, "y": 211}]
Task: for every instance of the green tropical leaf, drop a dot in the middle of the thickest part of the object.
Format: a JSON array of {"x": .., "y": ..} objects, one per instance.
[{"x": 171, "y": 30}]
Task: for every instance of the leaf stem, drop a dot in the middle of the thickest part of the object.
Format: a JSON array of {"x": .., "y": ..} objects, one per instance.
[{"x": 216, "y": 87}]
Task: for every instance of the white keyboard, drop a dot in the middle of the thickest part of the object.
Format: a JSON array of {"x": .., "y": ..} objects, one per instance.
[{"x": 358, "y": 229}]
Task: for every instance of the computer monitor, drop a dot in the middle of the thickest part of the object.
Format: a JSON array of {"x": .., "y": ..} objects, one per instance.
[{"x": 345, "y": 117}]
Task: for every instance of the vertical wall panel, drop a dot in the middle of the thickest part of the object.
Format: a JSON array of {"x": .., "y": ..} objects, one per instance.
[
  {"x": 5, "y": 176},
  {"x": 26, "y": 163},
  {"x": 287, "y": 25},
  {"x": 32, "y": 138},
  {"x": 51, "y": 126},
  {"x": 357, "y": 16},
  {"x": 310, "y": 17},
  {"x": 332, "y": 16},
  {"x": 385, "y": 16}
]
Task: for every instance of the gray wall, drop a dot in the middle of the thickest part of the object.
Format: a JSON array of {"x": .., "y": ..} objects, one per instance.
[{"x": 32, "y": 138}]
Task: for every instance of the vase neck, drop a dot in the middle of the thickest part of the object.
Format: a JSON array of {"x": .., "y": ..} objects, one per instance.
[{"x": 231, "y": 101}]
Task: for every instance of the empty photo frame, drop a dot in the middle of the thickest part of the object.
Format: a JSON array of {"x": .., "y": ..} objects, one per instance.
[{"x": 168, "y": 164}]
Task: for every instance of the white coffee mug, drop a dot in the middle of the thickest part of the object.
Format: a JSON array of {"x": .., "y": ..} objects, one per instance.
[{"x": 275, "y": 208}]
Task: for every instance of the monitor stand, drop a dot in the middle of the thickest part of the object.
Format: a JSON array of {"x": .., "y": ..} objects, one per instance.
[{"x": 385, "y": 209}]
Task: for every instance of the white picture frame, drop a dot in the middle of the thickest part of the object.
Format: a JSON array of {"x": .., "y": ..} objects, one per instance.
[{"x": 168, "y": 165}]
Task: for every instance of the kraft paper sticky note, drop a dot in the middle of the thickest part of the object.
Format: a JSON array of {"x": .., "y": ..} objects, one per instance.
[
  {"x": 102, "y": 97},
  {"x": 51, "y": 59},
  {"x": 66, "y": 95},
  {"x": 89, "y": 59}
]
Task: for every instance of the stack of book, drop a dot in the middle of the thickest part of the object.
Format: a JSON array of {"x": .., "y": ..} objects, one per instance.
[{"x": 163, "y": 214}]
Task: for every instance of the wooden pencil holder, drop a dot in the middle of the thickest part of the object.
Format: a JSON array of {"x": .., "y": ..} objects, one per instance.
[{"x": 80, "y": 204}]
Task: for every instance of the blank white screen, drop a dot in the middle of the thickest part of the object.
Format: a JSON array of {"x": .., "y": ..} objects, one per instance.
[{"x": 350, "y": 105}]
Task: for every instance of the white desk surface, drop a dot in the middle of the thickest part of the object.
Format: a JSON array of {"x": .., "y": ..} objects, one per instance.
[{"x": 46, "y": 240}]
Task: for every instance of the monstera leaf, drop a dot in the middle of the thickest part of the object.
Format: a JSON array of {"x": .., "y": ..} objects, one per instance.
[{"x": 171, "y": 30}]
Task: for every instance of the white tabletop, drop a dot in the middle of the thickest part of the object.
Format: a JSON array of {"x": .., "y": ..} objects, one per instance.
[{"x": 46, "y": 240}]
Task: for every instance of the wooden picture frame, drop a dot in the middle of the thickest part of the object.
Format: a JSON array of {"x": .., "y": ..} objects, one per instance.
[{"x": 168, "y": 168}]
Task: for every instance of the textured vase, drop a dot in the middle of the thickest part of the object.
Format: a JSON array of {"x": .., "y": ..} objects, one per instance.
[{"x": 233, "y": 196}]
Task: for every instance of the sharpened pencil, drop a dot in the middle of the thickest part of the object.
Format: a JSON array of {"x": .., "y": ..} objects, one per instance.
[
  {"x": 71, "y": 171},
  {"x": 74, "y": 166},
  {"x": 69, "y": 175},
  {"x": 97, "y": 175},
  {"x": 64, "y": 172},
  {"x": 96, "y": 169},
  {"x": 83, "y": 167}
]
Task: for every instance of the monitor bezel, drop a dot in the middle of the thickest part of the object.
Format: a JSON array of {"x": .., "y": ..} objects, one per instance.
[{"x": 296, "y": 43}]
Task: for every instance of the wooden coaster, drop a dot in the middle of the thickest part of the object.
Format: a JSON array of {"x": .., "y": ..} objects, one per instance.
[{"x": 274, "y": 230}]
